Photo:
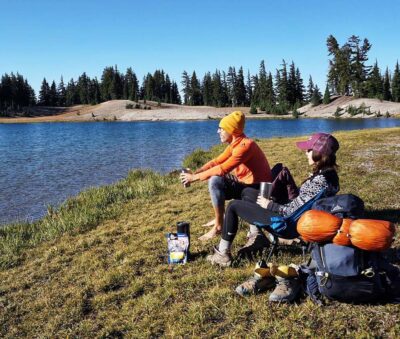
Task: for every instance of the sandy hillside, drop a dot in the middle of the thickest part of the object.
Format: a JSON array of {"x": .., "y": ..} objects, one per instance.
[
  {"x": 372, "y": 105},
  {"x": 115, "y": 110}
]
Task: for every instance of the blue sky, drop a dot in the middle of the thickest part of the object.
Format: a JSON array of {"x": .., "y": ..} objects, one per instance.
[{"x": 53, "y": 38}]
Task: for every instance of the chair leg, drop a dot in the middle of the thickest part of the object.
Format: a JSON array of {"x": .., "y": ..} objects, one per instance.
[{"x": 273, "y": 248}]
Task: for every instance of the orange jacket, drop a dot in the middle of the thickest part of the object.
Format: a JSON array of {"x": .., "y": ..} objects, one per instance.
[{"x": 244, "y": 157}]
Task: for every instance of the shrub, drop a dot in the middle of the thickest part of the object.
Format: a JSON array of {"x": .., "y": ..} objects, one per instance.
[
  {"x": 253, "y": 110},
  {"x": 337, "y": 113}
]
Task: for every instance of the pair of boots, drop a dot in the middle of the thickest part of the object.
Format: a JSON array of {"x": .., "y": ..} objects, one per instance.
[{"x": 284, "y": 278}]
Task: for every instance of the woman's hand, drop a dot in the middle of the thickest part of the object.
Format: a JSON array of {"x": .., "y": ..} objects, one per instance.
[{"x": 263, "y": 202}]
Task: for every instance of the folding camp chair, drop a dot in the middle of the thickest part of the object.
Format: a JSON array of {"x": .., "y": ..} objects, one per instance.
[{"x": 285, "y": 227}]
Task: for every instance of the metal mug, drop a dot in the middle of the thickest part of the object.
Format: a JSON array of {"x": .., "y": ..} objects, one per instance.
[{"x": 266, "y": 189}]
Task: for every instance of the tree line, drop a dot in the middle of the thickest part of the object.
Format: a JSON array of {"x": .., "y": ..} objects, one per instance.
[{"x": 349, "y": 74}]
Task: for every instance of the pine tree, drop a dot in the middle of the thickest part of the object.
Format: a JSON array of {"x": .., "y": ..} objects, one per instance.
[
  {"x": 327, "y": 96},
  {"x": 291, "y": 85},
  {"x": 396, "y": 83},
  {"x": 61, "y": 93},
  {"x": 106, "y": 83},
  {"x": 299, "y": 88},
  {"x": 207, "y": 89},
  {"x": 186, "y": 88},
  {"x": 359, "y": 71},
  {"x": 231, "y": 86},
  {"x": 175, "y": 96},
  {"x": 240, "y": 88},
  {"x": 249, "y": 90},
  {"x": 53, "y": 98},
  {"x": 374, "y": 84},
  {"x": 283, "y": 86},
  {"x": 316, "y": 97},
  {"x": 387, "y": 95},
  {"x": 196, "y": 98},
  {"x": 44, "y": 93},
  {"x": 310, "y": 89}
]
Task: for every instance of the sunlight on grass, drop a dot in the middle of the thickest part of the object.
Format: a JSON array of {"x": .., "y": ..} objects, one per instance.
[{"x": 96, "y": 267}]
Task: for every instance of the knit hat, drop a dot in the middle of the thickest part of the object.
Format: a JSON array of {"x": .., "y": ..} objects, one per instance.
[
  {"x": 233, "y": 123},
  {"x": 324, "y": 143}
]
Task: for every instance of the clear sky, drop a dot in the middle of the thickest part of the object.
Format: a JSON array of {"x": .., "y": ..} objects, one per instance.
[{"x": 50, "y": 38}]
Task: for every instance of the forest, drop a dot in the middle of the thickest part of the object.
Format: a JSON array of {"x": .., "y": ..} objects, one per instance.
[{"x": 349, "y": 74}]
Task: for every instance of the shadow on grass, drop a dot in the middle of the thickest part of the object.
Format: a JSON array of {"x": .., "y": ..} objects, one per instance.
[{"x": 386, "y": 214}]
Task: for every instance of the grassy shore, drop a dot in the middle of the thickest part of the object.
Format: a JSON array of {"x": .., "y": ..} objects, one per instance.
[{"x": 97, "y": 268}]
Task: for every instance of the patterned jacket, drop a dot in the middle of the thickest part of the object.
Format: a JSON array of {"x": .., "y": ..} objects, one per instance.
[{"x": 327, "y": 179}]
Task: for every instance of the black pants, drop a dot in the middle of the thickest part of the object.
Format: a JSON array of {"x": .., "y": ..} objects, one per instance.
[
  {"x": 248, "y": 211},
  {"x": 284, "y": 189}
]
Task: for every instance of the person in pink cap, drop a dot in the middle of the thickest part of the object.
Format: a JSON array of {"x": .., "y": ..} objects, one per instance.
[{"x": 320, "y": 150}]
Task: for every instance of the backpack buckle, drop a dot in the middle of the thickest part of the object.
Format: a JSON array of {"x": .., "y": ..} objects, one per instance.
[{"x": 369, "y": 272}]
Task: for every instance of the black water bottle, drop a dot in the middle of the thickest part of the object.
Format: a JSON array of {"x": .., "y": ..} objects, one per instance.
[{"x": 183, "y": 227}]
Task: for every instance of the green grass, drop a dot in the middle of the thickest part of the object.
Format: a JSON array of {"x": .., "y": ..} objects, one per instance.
[{"x": 96, "y": 267}]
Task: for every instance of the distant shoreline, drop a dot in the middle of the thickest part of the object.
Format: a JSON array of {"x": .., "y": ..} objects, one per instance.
[{"x": 116, "y": 110}]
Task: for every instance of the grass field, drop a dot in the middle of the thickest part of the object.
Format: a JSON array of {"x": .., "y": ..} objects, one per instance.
[{"x": 96, "y": 267}]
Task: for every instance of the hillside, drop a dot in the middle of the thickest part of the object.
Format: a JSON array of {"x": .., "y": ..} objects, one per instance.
[
  {"x": 97, "y": 267},
  {"x": 372, "y": 108},
  {"x": 115, "y": 110}
]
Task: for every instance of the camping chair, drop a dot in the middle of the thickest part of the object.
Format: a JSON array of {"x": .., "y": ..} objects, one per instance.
[{"x": 285, "y": 227}]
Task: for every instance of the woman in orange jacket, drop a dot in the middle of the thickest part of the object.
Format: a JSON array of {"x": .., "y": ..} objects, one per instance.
[{"x": 243, "y": 157}]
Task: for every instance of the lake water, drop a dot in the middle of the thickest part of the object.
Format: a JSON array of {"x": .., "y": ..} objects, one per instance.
[{"x": 44, "y": 163}]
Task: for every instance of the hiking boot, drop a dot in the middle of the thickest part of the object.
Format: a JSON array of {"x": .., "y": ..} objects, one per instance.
[
  {"x": 286, "y": 290},
  {"x": 256, "y": 242},
  {"x": 219, "y": 258},
  {"x": 255, "y": 285}
]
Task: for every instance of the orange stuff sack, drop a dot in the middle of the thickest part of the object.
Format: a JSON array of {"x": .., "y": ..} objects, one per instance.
[
  {"x": 318, "y": 226},
  {"x": 342, "y": 237},
  {"x": 371, "y": 235}
]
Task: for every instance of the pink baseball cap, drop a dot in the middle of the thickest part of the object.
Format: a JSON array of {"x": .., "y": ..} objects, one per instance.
[{"x": 324, "y": 143}]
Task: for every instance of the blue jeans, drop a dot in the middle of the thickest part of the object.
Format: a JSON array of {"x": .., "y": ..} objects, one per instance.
[{"x": 226, "y": 188}]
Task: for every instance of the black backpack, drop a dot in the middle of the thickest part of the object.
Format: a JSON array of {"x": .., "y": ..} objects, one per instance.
[
  {"x": 350, "y": 275},
  {"x": 341, "y": 205}
]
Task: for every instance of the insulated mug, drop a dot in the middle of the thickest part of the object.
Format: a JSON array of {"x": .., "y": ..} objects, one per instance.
[{"x": 266, "y": 189}]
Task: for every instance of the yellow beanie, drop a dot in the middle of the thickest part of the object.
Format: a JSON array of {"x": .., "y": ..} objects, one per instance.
[{"x": 233, "y": 123}]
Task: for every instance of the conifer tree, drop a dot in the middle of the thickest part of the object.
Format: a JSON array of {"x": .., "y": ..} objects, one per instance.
[
  {"x": 70, "y": 93},
  {"x": 240, "y": 88},
  {"x": 316, "y": 97},
  {"x": 61, "y": 93},
  {"x": 175, "y": 96},
  {"x": 327, "y": 96},
  {"x": 291, "y": 85},
  {"x": 387, "y": 95},
  {"x": 95, "y": 93},
  {"x": 249, "y": 90},
  {"x": 396, "y": 83},
  {"x": 270, "y": 90},
  {"x": 310, "y": 89},
  {"x": 106, "y": 83},
  {"x": 374, "y": 84},
  {"x": 44, "y": 93},
  {"x": 231, "y": 86},
  {"x": 359, "y": 71},
  {"x": 186, "y": 88},
  {"x": 207, "y": 90},
  {"x": 53, "y": 98},
  {"x": 196, "y": 98},
  {"x": 299, "y": 88}
]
